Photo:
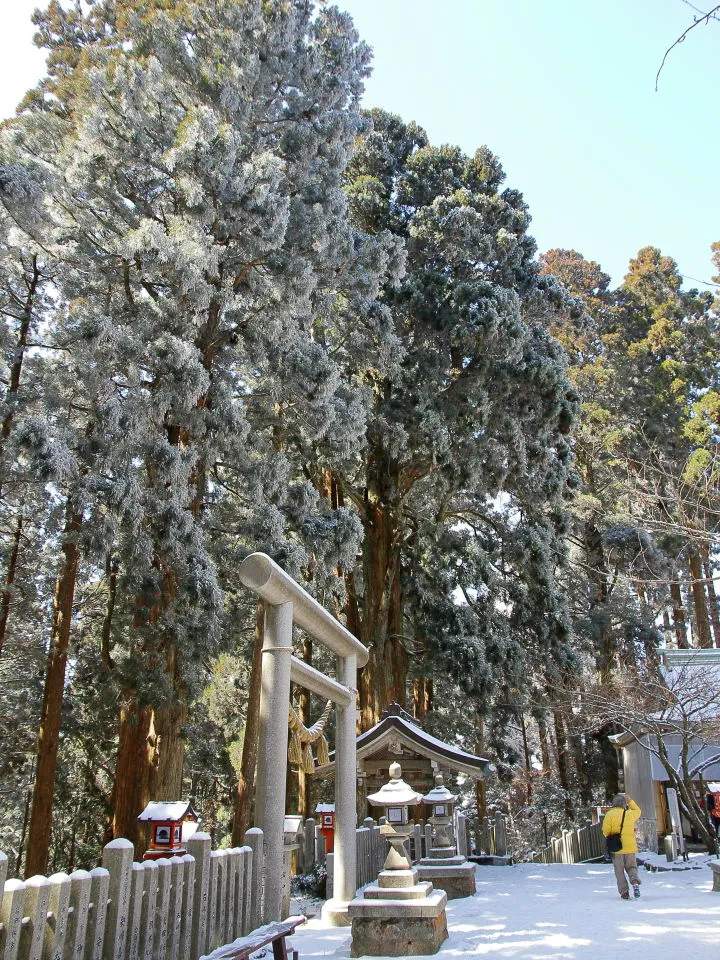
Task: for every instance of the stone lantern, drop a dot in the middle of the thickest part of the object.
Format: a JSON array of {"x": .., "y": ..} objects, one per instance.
[
  {"x": 443, "y": 804},
  {"x": 397, "y": 916},
  {"x": 394, "y": 798},
  {"x": 443, "y": 865}
]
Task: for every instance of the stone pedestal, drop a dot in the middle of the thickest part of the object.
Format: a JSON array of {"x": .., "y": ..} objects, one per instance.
[
  {"x": 398, "y": 917},
  {"x": 449, "y": 871}
]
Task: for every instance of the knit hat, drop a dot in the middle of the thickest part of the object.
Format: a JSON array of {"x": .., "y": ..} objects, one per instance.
[{"x": 619, "y": 800}]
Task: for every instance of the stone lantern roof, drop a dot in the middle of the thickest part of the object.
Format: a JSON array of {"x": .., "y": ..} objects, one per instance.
[
  {"x": 395, "y": 793},
  {"x": 439, "y": 793}
]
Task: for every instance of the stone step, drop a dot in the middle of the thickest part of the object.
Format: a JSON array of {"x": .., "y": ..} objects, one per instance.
[
  {"x": 392, "y": 879},
  {"x": 397, "y": 909},
  {"x": 432, "y": 861},
  {"x": 373, "y": 892}
]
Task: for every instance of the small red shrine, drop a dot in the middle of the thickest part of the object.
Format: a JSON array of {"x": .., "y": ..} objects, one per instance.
[
  {"x": 327, "y": 824},
  {"x": 173, "y": 823}
]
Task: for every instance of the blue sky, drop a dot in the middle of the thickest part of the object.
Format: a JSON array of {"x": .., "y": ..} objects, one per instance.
[{"x": 563, "y": 91}]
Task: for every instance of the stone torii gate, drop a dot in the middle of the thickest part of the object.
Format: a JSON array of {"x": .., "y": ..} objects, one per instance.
[{"x": 286, "y": 603}]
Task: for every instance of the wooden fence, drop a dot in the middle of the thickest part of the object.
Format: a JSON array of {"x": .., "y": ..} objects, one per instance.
[
  {"x": 171, "y": 909},
  {"x": 573, "y": 846}
]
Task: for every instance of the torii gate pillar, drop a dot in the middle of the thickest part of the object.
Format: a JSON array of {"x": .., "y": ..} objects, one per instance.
[{"x": 286, "y": 603}]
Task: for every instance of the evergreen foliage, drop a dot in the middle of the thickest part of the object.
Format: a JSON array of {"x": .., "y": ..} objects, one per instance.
[{"x": 241, "y": 314}]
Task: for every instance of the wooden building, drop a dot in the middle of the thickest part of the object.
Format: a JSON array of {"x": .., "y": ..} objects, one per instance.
[{"x": 398, "y": 737}]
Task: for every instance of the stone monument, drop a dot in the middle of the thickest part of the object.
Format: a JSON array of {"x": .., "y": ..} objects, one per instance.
[
  {"x": 397, "y": 916},
  {"x": 444, "y": 865}
]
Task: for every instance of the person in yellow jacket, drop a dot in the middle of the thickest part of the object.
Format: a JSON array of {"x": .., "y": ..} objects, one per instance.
[{"x": 624, "y": 861}]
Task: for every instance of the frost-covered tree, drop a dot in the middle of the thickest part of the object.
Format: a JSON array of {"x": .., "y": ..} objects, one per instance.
[
  {"x": 209, "y": 274},
  {"x": 460, "y": 486}
]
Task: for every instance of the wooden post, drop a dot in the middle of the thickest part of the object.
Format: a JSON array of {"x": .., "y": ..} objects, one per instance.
[
  {"x": 188, "y": 905},
  {"x": 163, "y": 907},
  {"x": 37, "y": 901},
  {"x": 99, "y": 889},
  {"x": 198, "y": 846},
  {"x": 117, "y": 859},
  {"x": 255, "y": 840},
  {"x": 12, "y": 911},
  {"x": 148, "y": 912},
  {"x": 137, "y": 882},
  {"x": 80, "y": 883},
  {"x": 56, "y": 930}
]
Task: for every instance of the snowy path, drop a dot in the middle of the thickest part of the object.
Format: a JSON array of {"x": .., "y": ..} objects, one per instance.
[{"x": 560, "y": 912}]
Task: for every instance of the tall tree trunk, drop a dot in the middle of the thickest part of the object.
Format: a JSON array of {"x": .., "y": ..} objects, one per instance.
[
  {"x": 32, "y": 280},
  {"x": 422, "y": 697},
  {"x": 562, "y": 761},
  {"x": 245, "y": 794},
  {"x": 544, "y": 745},
  {"x": 702, "y": 620},
  {"x": 598, "y": 578},
  {"x": 50, "y": 718},
  {"x": 6, "y": 595},
  {"x": 384, "y": 678},
  {"x": 711, "y": 594},
  {"x": 480, "y": 792},
  {"x": 151, "y": 748},
  {"x": 678, "y": 615},
  {"x": 526, "y": 755},
  {"x": 111, "y": 574},
  {"x": 577, "y": 748},
  {"x": 135, "y": 756}
]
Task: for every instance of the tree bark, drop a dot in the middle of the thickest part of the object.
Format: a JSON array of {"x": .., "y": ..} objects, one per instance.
[
  {"x": 544, "y": 746},
  {"x": 422, "y": 697},
  {"x": 245, "y": 793},
  {"x": 6, "y": 596},
  {"x": 40, "y": 830},
  {"x": 600, "y": 592},
  {"x": 111, "y": 573},
  {"x": 678, "y": 616},
  {"x": 562, "y": 762},
  {"x": 480, "y": 792},
  {"x": 702, "y": 620},
  {"x": 384, "y": 678},
  {"x": 711, "y": 594}
]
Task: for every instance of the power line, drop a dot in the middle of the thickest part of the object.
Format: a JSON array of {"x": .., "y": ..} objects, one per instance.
[{"x": 707, "y": 283}]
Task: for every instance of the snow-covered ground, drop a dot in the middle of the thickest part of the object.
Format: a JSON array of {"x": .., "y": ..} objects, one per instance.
[{"x": 559, "y": 912}]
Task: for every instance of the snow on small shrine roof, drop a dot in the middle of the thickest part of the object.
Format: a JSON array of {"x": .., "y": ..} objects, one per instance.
[
  {"x": 173, "y": 811},
  {"x": 325, "y": 808},
  {"x": 396, "y": 725}
]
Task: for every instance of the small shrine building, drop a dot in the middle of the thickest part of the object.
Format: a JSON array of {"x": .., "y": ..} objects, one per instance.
[{"x": 399, "y": 737}]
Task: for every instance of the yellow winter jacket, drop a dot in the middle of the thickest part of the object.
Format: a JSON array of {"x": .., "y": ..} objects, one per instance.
[{"x": 611, "y": 824}]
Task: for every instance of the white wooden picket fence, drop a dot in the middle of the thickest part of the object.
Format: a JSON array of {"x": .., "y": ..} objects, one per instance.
[
  {"x": 180, "y": 908},
  {"x": 171, "y": 909},
  {"x": 573, "y": 846}
]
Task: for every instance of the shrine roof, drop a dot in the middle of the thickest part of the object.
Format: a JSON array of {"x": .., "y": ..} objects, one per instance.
[
  {"x": 172, "y": 811},
  {"x": 396, "y": 726}
]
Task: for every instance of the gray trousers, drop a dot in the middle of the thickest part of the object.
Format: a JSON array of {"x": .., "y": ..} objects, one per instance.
[{"x": 625, "y": 863}]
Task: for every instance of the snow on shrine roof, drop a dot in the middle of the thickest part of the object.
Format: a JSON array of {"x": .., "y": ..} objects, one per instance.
[
  {"x": 392, "y": 728},
  {"x": 325, "y": 808},
  {"x": 173, "y": 811}
]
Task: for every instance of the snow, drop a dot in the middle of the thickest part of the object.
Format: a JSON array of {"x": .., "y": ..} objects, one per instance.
[{"x": 565, "y": 912}]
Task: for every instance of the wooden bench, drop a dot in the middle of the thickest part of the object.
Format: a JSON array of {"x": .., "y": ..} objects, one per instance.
[{"x": 273, "y": 933}]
